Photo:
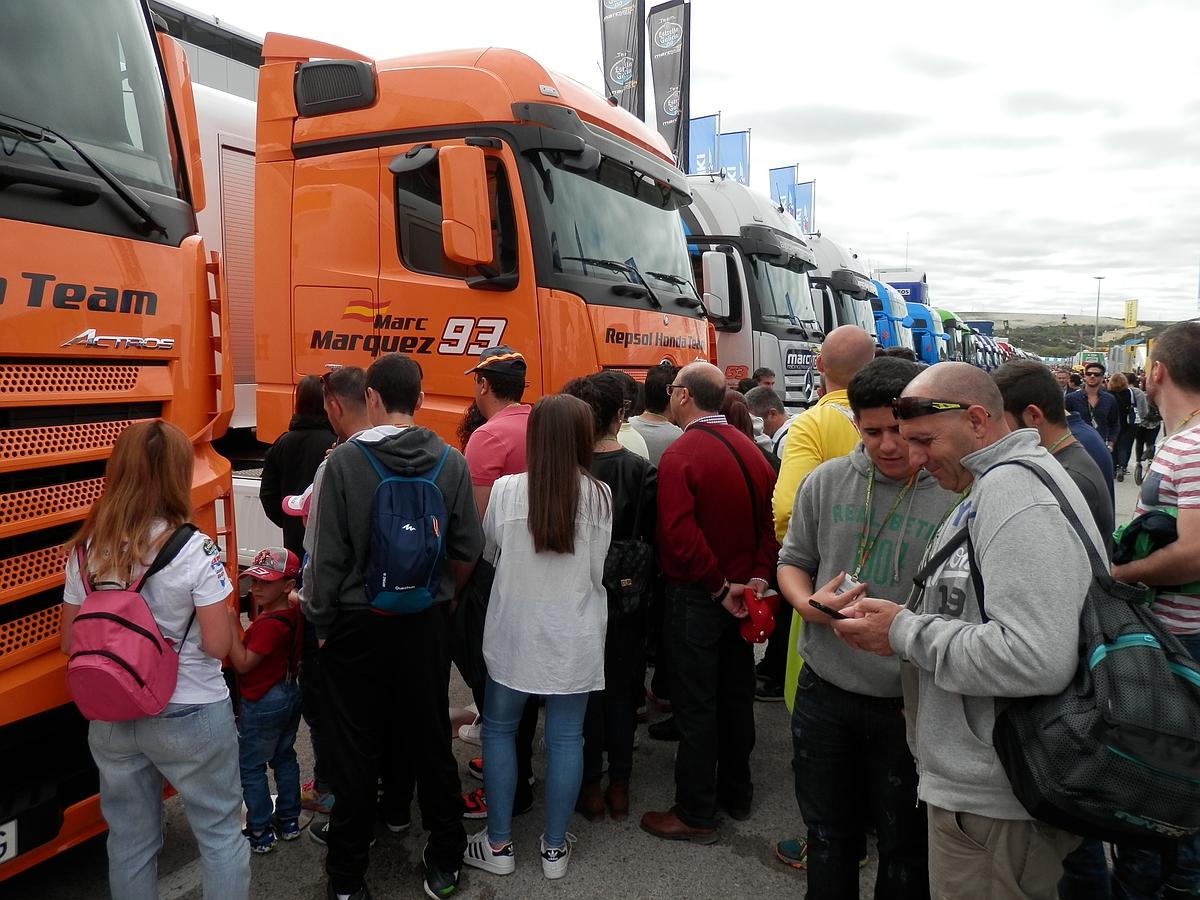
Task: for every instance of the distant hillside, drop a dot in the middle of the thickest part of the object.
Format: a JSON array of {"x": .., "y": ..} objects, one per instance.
[{"x": 1049, "y": 335}]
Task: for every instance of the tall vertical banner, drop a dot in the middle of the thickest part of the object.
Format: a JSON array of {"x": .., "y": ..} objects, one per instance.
[
  {"x": 622, "y": 39},
  {"x": 734, "y": 156},
  {"x": 703, "y": 150},
  {"x": 670, "y": 29},
  {"x": 804, "y": 197},
  {"x": 783, "y": 187},
  {"x": 1131, "y": 313}
]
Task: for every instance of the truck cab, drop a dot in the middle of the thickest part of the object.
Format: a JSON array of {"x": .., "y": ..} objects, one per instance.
[
  {"x": 841, "y": 288},
  {"x": 893, "y": 325},
  {"x": 752, "y": 263},
  {"x": 929, "y": 338}
]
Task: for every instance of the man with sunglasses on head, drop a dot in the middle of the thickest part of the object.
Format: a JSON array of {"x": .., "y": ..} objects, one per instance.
[
  {"x": 866, "y": 517},
  {"x": 1095, "y": 405},
  {"x": 1010, "y": 541}
]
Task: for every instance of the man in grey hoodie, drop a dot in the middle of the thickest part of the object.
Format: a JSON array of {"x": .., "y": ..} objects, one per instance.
[
  {"x": 377, "y": 667},
  {"x": 868, "y": 515},
  {"x": 967, "y": 652}
]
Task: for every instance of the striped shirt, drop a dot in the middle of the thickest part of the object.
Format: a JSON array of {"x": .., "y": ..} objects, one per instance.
[{"x": 1174, "y": 483}]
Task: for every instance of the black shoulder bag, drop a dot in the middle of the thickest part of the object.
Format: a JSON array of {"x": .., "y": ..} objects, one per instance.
[{"x": 629, "y": 569}]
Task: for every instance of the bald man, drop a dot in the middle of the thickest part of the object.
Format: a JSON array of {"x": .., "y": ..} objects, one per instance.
[
  {"x": 1034, "y": 570},
  {"x": 715, "y": 540},
  {"x": 827, "y": 430}
]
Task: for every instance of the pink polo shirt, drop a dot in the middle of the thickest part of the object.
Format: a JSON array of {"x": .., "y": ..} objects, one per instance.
[{"x": 497, "y": 447}]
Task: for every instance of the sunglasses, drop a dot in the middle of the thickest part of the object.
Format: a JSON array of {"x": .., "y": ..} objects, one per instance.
[
  {"x": 915, "y": 407},
  {"x": 1093, "y": 374}
]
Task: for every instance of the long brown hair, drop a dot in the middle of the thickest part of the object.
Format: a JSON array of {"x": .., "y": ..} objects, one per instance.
[
  {"x": 558, "y": 449},
  {"x": 148, "y": 477},
  {"x": 737, "y": 412}
]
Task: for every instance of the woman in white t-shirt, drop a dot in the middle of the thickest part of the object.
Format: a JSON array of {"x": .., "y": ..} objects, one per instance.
[
  {"x": 193, "y": 742},
  {"x": 547, "y": 532}
]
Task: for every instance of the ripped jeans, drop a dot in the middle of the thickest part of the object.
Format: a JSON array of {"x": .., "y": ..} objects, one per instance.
[{"x": 853, "y": 767}]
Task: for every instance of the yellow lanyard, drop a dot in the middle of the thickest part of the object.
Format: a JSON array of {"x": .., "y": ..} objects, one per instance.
[{"x": 864, "y": 548}]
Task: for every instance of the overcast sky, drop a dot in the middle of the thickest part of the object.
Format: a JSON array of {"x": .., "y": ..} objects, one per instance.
[{"x": 1022, "y": 147}]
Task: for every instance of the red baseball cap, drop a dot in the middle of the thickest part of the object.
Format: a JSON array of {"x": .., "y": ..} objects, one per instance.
[{"x": 274, "y": 563}]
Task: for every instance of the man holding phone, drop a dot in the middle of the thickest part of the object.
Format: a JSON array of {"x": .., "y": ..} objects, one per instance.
[{"x": 859, "y": 523}]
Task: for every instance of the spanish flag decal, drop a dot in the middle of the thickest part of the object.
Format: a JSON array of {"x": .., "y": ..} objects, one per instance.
[{"x": 364, "y": 310}]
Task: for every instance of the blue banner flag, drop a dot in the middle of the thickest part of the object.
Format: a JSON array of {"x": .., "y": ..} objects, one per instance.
[
  {"x": 803, "y": 199},
  {"x": 702, "y": 145},
  {"x": 783, "y": 184},
  {"x": 735, "y": 156}
]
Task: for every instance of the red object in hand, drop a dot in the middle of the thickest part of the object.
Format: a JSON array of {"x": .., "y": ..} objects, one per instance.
[{"x": 760, "y": 623}]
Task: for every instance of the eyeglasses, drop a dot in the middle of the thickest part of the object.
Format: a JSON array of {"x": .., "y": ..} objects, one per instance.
[
  {"x": 915, "y": 407},
  {"x": 672, "y": 388}
]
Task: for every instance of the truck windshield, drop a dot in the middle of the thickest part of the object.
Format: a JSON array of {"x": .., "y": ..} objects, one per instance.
[
  {"x": 783, "y": 295},
  {"x": 613, "y": 214},
  {"x": 89, "y": 72}
]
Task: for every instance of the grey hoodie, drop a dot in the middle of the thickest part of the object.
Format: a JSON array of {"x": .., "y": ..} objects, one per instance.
[
  {"x": 342, "y": 536},
  {"x": 823, "y": 539},
  {"x": 1035, "y": 574}
]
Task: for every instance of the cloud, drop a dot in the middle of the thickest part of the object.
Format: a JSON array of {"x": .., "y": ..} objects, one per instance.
[
  {"x": 931, "y": 64},
  {"x": 1036, "y": 103},
  {"x": 817, "y": 123},
  {"x": 1148, "y": 146}
]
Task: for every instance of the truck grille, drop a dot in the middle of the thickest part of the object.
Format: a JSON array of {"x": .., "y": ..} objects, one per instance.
[{"x": 58, "y": 423}]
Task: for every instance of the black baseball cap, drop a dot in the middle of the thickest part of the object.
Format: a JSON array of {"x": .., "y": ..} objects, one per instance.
[{"x": 502, "y": 360}]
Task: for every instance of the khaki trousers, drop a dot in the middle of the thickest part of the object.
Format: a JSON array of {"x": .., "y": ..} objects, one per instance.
[{"x": 976, "y": 858}]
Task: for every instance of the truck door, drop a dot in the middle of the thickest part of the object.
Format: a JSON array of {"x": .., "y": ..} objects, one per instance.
[{"x": 427, "y": 305}]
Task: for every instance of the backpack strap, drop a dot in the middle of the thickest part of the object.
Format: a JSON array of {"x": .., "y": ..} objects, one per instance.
[
  {"x": 167, "y": 554},
  {"x": 383, "y": 473},
  {"x": 437, "y": 469},
  {"x": 375, "y": 463},
  {"x": 962, "y": 536},
  {"x": 294, "y": 651},
  {"x": 84, "y": 574}
]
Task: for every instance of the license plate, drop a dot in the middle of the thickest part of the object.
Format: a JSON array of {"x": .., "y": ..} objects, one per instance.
[{"x": 8, "y": 841}]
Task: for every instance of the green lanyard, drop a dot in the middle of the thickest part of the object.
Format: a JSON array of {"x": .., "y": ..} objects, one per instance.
[{"x": 865, "y": 548}]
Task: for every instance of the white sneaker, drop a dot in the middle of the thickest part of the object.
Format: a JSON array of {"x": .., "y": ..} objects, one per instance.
[
  {"x": 471, "y": 734},
  {"x": 481, "y": 855},
  {"x": 555, "y": 859}
]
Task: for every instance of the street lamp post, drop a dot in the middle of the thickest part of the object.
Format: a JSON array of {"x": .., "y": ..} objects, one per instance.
[{"x": 1096, "y": 325}]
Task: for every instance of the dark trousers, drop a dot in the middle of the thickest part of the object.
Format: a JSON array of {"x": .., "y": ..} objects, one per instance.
[
  {"x": 311, "y": 702},
  {"x": 1124, "y": 446},
  {"x": 853, "y": 766},
  {"x": 611, "y": 718},
  {"x": 1085, "y": 873},
  {"x": 657, "y": 645},
  {"x": 712, "y": 695},
  {"x": 774, "y": 664},
  {"x": 379, "y": 670}
]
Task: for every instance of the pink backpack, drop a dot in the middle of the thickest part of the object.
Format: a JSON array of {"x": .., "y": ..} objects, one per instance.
[{"x": 121, "y": 667}]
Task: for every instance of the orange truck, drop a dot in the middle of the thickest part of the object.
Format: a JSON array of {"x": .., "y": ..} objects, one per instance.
[
  {"x": 441, "y": 204},
  {"x": 110, "y": 313}
]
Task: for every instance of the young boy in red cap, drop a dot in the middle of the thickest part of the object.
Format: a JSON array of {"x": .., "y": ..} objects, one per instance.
[{"x": 267, "y": 659}]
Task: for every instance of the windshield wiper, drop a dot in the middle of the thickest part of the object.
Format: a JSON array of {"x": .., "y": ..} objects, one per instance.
[
  {"x": 36, "y": 134},
  {"x": 626, "y": 268},
  {"x": 692, "y": 301}
]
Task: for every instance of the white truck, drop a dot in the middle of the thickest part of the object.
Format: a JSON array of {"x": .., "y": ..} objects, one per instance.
[
  {"x": 841, "y": 286},
  {"x": 226, "y": 124},
  {"x": 752, "y": 263}
]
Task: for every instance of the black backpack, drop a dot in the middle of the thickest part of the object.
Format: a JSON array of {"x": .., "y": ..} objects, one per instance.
[{"x": 1116, "y": 755}]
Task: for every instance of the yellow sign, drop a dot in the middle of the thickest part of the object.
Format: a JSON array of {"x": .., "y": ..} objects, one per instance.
[{"x": 1131, "y": 313}]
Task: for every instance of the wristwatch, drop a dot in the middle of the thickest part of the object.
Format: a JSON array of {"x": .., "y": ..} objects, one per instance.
[{"x": 719, "y": 596}]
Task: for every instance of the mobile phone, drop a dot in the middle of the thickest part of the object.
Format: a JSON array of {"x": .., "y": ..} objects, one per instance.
[{"x": 821, "y": 607}]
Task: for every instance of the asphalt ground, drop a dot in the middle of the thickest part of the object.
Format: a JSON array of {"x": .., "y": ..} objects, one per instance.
[{"x": 611, "y": 859}]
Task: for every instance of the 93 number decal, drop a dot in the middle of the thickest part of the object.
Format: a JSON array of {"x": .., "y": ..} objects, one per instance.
[{"x": 470, "y": 336}]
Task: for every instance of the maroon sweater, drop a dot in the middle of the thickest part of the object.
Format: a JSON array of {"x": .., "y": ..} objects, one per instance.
[{"x": 706, "y": 532}]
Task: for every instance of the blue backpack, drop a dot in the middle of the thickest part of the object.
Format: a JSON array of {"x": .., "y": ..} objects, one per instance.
[{"x": 407, "y": 555}]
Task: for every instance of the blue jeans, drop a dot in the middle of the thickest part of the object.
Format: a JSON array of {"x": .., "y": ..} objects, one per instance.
[
  {"x": 564, "y": 759},
  {"x": 1142, "y": 874},
  {"x": 853, "y": 768},
  {"x": 194, "y": 747},
  {"x": 267, "y": 735}
]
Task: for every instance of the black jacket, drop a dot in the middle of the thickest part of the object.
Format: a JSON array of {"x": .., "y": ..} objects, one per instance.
[
  {"x": 288, "y": 469},
  {"x": 633, "y": 481}
]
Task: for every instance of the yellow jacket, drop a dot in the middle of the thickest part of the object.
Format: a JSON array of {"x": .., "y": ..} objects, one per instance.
[{"x": 823, "y": 432}]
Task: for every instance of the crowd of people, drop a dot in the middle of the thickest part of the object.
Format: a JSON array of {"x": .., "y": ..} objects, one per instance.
[{"x": 567, "y": 545}]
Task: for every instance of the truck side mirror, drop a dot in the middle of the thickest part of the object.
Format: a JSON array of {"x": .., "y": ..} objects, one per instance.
[
  {"x": 715, "y": 267},
  {"x": 907, "y": 321},
  {"x": 466, "y": 210},
  {"x": 179, "y": 87}
]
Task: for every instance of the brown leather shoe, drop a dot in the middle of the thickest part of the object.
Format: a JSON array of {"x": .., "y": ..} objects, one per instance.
[
  {"x": 668, "y": 826},
  {"x": 590, "y": 803},
  {"x": 617, "y": 797}
]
